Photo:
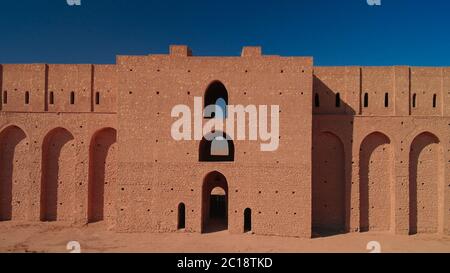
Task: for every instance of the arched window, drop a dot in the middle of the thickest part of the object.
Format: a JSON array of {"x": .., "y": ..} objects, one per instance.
[
  {"x": 216, "y": 147},
  {"x": 386, "y": 100},
  {"x": 414, "y": 100},
  {"x": 338, "y": 100},
  {"x": 216, "y": 97},
  {"x": 316, "y": 100},
  {"x": 434, "y": 100},
  {"x": 72, "y": 97},
  {"x": 27, "y": 97},
  {"x": 366, "y": 100}
]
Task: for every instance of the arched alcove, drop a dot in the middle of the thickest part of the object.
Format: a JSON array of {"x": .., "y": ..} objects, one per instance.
[
  {"x": 58, "y": 176},
  {"x": 102, "y": 175},
  {"x": 375, "y": 173},
  {"x": 424, "y": 180},
  {"x": 13, "y": 174}
]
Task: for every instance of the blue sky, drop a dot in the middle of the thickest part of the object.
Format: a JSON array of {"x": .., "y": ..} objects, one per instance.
[{"x": 334, "y": 32}]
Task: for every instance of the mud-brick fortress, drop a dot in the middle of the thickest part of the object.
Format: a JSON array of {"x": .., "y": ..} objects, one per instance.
[{"x": 360, "y": 148}]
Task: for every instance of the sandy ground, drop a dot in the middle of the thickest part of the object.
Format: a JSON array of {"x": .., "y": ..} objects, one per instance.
[{"x": 51, "y": 237}]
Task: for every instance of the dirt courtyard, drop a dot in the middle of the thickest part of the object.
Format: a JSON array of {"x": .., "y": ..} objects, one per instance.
[{"x": 52, "y": 237}]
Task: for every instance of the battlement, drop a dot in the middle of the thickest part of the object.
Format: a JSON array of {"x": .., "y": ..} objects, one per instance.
[
  {"x": 382, "y": 91},
  {"x": 363, "y": 91},
  {"x": 58, "y": 88}
]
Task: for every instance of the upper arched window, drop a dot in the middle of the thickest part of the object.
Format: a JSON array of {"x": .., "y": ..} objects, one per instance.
[{"x": 216, "y": 101}]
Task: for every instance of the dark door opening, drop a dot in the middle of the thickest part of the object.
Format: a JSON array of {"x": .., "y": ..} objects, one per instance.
[
  {"x": 247, "y": 220},
  {"x": 218, "y": 214},
  {"x": 214, "y": 203},
  {"x": 181, "y": 216},
  {"x": 217, "y": 207}
]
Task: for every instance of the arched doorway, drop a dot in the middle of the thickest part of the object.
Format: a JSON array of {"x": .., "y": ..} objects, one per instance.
[{"x": 214, "y": 202}]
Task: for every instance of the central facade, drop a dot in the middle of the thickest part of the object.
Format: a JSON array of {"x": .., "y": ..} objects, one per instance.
[{"x": 360, "y": 148}]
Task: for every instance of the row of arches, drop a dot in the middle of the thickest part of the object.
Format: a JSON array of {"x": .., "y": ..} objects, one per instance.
[
  {"x": 59, "y": 183},
  {"x": 331, "y": 204}
]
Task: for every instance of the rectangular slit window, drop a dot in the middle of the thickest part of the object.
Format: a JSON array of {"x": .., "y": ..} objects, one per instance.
[
  {"x": 27, "y": 97},
  {"x": 366, "y": 100},
  {"x": 97, "y": 98},
  {"x": 338, "y": 100},
  {"x": 51, "y": 98},
  {"x": 72, "y": 97}
]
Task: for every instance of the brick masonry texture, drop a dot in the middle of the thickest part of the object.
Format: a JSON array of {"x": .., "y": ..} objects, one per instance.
[{"x": 361, "y": 148}]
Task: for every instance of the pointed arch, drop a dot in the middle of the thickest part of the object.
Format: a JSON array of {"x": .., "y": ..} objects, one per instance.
[
  {"x": 214, "y": 202},
  {"x": 102, "y": 175},
  {"x": 424, "y": 182},
  {"x": 376, "y": 178},
  {"x": 13, "y": 173},
  {"x": 58, "y": 176}
]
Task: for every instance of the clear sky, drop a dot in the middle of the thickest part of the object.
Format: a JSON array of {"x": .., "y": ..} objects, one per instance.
[{"x": 334, "y": 32}]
